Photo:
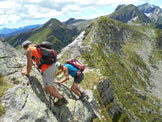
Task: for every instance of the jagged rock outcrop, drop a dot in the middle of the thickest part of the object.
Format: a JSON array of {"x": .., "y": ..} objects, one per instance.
[
  {"x": 27, "y": 100},
  {"x": 74, "y": 49},
  {"x": 106, "y": 90}
]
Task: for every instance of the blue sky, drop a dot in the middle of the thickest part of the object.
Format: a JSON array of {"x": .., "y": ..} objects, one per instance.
[{"x": 19, "y": 13}]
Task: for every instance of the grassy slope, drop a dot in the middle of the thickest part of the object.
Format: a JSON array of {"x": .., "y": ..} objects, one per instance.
[
  {"x": 157, "y": 52},
  {"x": 3, "y": 87},
  {"x": 128, "y": 72},
  {"x": 53, "y": 31}
]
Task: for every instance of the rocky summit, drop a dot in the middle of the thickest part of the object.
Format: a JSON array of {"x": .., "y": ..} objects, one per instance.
[{"x": 27, "y": 100}]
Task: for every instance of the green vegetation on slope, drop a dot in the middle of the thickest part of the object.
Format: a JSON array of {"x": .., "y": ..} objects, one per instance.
[
  {"x": 3, "y": 87},
  {"x": 81, "y": 25},
  {"x": 53, "y": 31},
  {"x": 157, "y": 51},
  {"x": 128, "y": 73}
]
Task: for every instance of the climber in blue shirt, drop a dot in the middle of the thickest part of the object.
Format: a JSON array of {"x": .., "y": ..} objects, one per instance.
[{"x": 72, "y": 70}]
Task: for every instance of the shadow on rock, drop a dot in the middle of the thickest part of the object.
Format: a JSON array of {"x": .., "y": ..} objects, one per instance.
[
  {"x": 66, "y": 90},
  {"x": 63, "y": 114},
  {"x": 40, "y": 120},
  {"x": 40, "y": 92},
  {"x": 37, "y": 88},
  {"x": 90, "y": 107}
]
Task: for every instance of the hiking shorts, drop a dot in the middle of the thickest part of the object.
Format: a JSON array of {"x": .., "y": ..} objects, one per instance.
[
  {"x": 78, "y": 79},
  {"x": 49, "y": 75}
]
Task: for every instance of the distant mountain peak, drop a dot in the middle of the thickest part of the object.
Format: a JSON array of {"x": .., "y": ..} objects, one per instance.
[
  {"x": 149, "y": 8},
  {"x": 152, "y": 11},
  {"x": 72, "y": 21},
  {"x": 120, "y": 6},
  {"x": 126, "y": 13},
  {"x": 148, "y": 4},
  {"x": 52, "y": 23},
  {"x": 53, "y": 20}
]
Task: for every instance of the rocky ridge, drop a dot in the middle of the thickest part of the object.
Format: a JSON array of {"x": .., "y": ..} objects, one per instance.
[
  {"x": 130, "y": 85},
  {"x": 27, "y": 100}
]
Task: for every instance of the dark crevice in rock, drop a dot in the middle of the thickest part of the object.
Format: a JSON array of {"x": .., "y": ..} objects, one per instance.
[
  {"x": 25, "y": 101},
  {"x": 11, "y": 73},
  {"x": 19, "y": 67},
  {"x": 5, "y": 57}
]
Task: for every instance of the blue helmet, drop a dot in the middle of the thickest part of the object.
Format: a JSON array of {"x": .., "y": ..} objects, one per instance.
[{"x": 58, "y": 64}]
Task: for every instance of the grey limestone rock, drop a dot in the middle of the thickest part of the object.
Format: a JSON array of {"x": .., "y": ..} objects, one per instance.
[{"x": 27, "y": 100}]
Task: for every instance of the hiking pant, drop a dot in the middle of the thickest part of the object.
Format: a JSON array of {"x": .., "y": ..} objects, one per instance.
[{"x": 49, "y": 75}]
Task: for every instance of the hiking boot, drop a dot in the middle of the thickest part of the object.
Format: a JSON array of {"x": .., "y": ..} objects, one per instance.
[
  {"x": 61, "y": 102},
  {"x": 83, "y": 96}
]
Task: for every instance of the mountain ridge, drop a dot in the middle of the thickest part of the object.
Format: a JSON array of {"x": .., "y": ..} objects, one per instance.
[
  {"x": 129, "y": 12},
  {"x": 53, "y": 31},
  {"x": 117, "y": 51},
  {"x": 154, "y": 12},
  {"x": 73, "y": 21},
  {"x": 7, "y": 32}
]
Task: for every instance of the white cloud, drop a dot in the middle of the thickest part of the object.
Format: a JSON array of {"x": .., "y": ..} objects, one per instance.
[
  {"x": 1, "y": 12},
  {"x": 85, "y": 2},
  {"x": 7, "y": 4},
  {"x": 26, "y": 10},
  {"x": 5, "y": 19},
  {"x": 48, "y": 14},
  {"x": 31, "y": 1},
  {"x": 71, "y": 8},
  {"x": 116, "y": 2},
  {"x": 99, "y": 11}
]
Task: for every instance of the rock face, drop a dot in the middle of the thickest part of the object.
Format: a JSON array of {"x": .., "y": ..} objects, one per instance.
[
  {"x": 27, "y": 100},
  {"x": 74, "y": 48},
  {"x": 107, "y": 95},
  {"x": 107, "y": 92}
]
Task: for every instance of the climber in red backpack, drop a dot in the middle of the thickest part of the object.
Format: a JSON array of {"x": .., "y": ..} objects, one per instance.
[
  {"x": 75, "y": 69},
  {"x": 45, "y": 59}
]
